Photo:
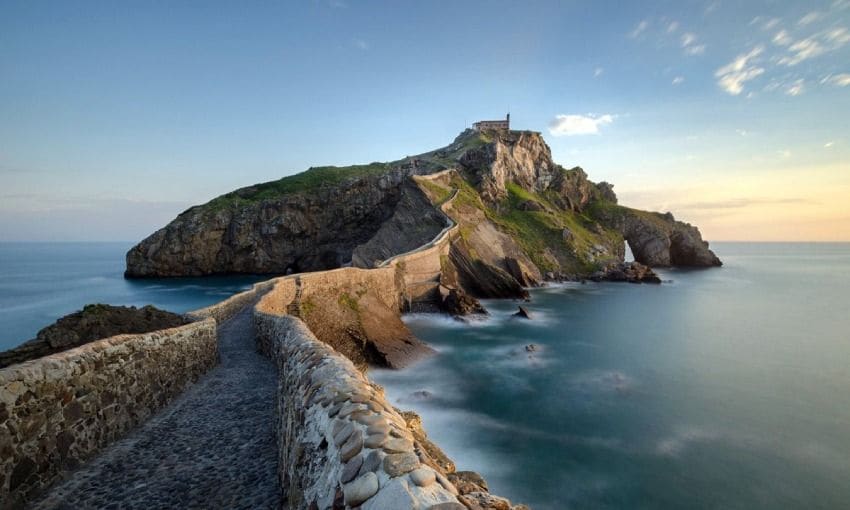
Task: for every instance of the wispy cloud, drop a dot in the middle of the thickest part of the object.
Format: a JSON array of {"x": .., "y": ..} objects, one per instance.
[
  {"x": 838, "y": 36},
  {"x": 796, "y": 88},
  {"x": 801, "y": 51},
  {"x": 672, "y": 27},
  {"x": 782, "y": 38},
  {"x": 810, "y": 18},
  {"x": 598, "y": 72},
  {"x": 361, "y": 44},
  {"x": 678, "y": 80},
  {"x": 839, "y": 80},
  {"x": 765, "y": 23},
  {"x": 732, "y": 77},
  {"x": 690, "y": 46},
  {"x": 828, "y": 145},
  {"x": 639, "y": 29},
  {"x": 784, "y": 154},
  {"x": 571, "y": 125}
]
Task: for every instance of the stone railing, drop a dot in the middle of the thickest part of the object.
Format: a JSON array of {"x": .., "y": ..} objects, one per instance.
[
  {"x": 226, "y": 309},
  {"x": 339, "y": 441},
  {"x": 58, "y": 410}
]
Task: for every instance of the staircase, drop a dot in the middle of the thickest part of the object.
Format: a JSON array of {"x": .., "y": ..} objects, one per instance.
[{"x": 294, "y": 308}]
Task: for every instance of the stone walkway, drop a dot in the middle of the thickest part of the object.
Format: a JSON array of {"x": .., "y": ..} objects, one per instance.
[{"x": 212, "y": 447}]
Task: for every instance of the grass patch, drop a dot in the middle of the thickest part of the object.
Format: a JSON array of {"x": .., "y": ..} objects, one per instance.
[
  {"x": 346, "y": 300},
  {"x": 312, "y": 179},
  {"x": 437, "y": 192}
]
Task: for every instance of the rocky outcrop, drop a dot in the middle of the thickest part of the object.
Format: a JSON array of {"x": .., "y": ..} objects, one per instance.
[
  {"x": 414, "y": 223},
  {"x": 458, "y": 303},
  {"x": 254, "y": 230},
  {"x": 632, "y": 272},
  {"x": 482, "y": 280},
  {"x": 93, "y": 322},
  {"x": 656, "y": 239}
]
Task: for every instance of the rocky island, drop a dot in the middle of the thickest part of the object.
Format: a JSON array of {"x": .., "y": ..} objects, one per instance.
[{"x": 507, "y": 217}]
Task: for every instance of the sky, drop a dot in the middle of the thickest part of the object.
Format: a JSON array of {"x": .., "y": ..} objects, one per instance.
[{"x": 117, "y": 116}]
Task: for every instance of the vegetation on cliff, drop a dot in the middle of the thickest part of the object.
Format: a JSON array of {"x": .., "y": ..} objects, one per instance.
[{"x": 517, "y": 210}]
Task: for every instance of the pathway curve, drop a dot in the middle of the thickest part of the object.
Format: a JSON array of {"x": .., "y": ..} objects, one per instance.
[{"x": 212, "y": 447}]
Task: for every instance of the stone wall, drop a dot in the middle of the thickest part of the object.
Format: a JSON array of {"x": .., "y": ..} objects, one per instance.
[
  {"x": 340, "y": 442},
  {"x": 58, "y": 410},
  {"x": 226, "y": 309}
]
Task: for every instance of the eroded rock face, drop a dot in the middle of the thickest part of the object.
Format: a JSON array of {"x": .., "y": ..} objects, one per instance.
[
  {"x": 414, "y": 222},
  {"x": 91, "y": 323},
  {"x": 293, "y": 232},
  {"x": 480, "y": 278}
]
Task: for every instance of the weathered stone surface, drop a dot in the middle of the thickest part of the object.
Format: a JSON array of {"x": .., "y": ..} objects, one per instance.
[
  {"x": 395, "y": 495},
  {"x": 375, "y": 440},
  {"x": 352, "y": 446},
  {"x": 372, "y": 462},
  {"x": 423, "y": 477},
  {"x": 344, "y": 431},
  {"x": 62, "y": 408},
  {"x": 351, "y": 469},
  {"x": 311, "y": 469},
  {"x": 447, "y": 506},
  {"x": 468, "y": 481},
  {"x": 209, "y": 448},
  {"x": 658, "y": 240},
  {"x": 378, "y": 428},
  {"x": 397, "y": 464},
  {"x": 398, "y": 445},
  {"x": 484, "y": 501},
  {"x": 361, "y": 489}
]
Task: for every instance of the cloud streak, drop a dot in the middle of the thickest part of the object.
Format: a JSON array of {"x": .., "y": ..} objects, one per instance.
[
  {"x": 732, "y": 77},
  {"x": 572, "y": 125},
  {"x": 639, "y": 29}
]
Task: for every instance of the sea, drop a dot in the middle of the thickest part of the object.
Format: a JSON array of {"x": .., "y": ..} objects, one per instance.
[
  {"x": 41, "y": 282},
  {"x": 722, "y": 388}
]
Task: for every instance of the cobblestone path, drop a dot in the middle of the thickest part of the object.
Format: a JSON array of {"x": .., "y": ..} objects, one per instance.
[{"x": 212, "y": 447}]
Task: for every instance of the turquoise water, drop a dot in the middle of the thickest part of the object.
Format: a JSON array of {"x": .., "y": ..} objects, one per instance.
[
  {"x": 725, "y": 388},
  {"x": 40, "y": 282}
]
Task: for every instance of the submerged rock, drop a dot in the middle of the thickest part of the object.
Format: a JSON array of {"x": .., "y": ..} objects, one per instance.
[
  {"x": 632, "y": 272},
  {"x": 522, "y": 313}
]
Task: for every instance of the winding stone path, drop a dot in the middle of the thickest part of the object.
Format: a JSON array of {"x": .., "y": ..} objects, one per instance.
[{"x": 212, "y": 447}]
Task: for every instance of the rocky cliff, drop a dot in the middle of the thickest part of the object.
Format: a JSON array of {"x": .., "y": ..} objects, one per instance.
[{"x": 523, "y": 218}]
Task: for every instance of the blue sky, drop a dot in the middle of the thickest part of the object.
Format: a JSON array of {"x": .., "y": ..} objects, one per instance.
[{"x": 116, "y": 116}]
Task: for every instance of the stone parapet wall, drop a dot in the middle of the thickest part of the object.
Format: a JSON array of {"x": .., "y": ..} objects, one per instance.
[
  {"x": 340, "y": 442},
  {"x": 226, "y": 309},
  {"x": 58, "y": 410}
]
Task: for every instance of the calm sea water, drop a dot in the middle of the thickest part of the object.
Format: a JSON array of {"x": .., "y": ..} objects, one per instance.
[
  {"x": 723, "y": 389},
  {"x": 40, "y": 282}
]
